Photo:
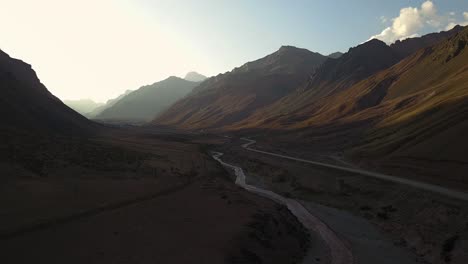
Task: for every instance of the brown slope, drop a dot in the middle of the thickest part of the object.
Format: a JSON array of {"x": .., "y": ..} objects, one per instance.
[
  {"x": 331, "y": 78},
  {"x": 231, "y": 97},
  {"x": 27, "y": 105},
  {"x": 412, "y": 115},
  {"x": 416, "y": 84},
  {"x": 432, "y": 99},
  {"x": 345, "y": 86}
]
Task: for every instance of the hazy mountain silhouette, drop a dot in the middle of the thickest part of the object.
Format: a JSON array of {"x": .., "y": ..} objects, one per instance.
[
  {"x": 108, "y": 104},
  {"x": 148, "y": 101},
  {"x": 27, "y": 104},
  {"x": 83, "y": 106},
  {"x": 233, "y": 96},
  {"x": 194, "y": 77}
]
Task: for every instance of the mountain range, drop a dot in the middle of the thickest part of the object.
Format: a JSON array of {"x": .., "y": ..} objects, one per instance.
[
  {"x": 405, "y": 103},
  {"x": 260, "y": 93},
  {"x": 231, "y": 97},
  {"x": 146, "y": 102}
]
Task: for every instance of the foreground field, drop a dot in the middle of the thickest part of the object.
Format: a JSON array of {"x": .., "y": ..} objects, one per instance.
[{"x": 135, "y": 198}]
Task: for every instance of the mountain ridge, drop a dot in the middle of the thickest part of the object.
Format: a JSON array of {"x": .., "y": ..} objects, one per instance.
[
  {"x": 232, "y": 96},
  {"x": 27, "y": 104},
  {"x": 148, "y": 101}
]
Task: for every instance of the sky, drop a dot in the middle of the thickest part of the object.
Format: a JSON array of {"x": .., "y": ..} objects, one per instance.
[{"x": 98, "y": 49}]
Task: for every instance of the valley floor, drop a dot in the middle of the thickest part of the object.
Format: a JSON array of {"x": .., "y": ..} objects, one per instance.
[
  {"x": 140, "y": 196},
  {"x": 134, "y": 198},
  {"x": 383, "y": 221}
]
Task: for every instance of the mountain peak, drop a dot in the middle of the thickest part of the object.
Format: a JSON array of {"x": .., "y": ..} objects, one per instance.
[
  {"x": 194, "y": 77},
  {"x": 358, "y": 63},
  {"x": 288, "y": 47},
  {"x": 172, "y": 77},
  {"x": 372, "y": 43},
  {"x": 335, "y": 55}
]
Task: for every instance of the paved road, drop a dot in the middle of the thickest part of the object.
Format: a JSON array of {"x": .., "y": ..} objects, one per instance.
[
  {"x": 340, "y": 253},
  {"x": 416, "y": 184}
]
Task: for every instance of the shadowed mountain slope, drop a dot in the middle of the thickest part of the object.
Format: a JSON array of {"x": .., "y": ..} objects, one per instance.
[
  {"x": 108, "y": 104},
  {"x": 148, "y": 101},
  {"x": 233, "y": 96},
  {"x": 26, "y": 104},
  {"x": 358, "y": 63}
]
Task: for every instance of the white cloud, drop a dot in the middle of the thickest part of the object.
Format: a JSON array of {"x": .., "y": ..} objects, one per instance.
[
  {"x": 412, "y": 21},
  {"x": 452, "y": 13},
  {"x": 408, "y": 23},
  {"x": 428, "y": 9},
  {"x": 465, "y": 15}
]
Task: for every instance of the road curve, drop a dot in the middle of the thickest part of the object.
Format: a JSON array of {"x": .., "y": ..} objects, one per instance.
[
  {"x": 420, "y": 185},
  {"x": 339, "y": 252}
]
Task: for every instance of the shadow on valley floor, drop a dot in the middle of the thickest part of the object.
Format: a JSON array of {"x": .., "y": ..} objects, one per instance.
[{"x": 132, "y": 197}]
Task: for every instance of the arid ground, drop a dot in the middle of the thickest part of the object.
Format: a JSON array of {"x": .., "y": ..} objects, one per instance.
[{"x": 136, "y": 197}]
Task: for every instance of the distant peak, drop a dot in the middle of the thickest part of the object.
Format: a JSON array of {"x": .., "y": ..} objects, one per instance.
[
  {"x": 335, "y": 55},
  {"x": 287, "y": 47},
  {"x": 374, "y": 42},
  {"x": 173, "y": 78},
  {"x": 194, "y": 77}
]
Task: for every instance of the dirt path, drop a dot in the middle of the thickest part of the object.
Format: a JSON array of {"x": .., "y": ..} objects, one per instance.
[{"x": 420, "y": 185}]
